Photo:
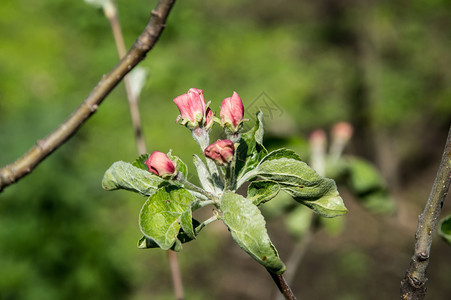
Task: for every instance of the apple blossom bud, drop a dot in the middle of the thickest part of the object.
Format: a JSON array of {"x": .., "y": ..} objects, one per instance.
[
  {"x": 342, "y": 132},
  {"x": 232, "y": 112},
  {"x": 318, "y": 141},
  {"x": 209, "y": 115},
  {"x": 221, "y": 151},
  {"x": 192, "y": 108},
  {"x": 160, "y": 164}
]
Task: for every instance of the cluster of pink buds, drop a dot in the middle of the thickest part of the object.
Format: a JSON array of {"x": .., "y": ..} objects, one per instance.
[{"x": 196, "y": 115}]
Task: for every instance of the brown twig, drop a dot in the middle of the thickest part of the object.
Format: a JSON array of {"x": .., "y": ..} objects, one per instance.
[
  {"x": 43, "y": 148},
  {"x": 113, "y": 17},
  {"x": 283, "y": 286},
  {"x": 413, "y": 286}
]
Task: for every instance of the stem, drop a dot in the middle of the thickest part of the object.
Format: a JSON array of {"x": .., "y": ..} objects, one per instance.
[
  {"x": 205, "y": 223},
  {"x": 298, "y": 252},
  {"x": 43, "y": 148},
  {"x": 110, "y": 11},
  {"x": 195, "y": 188},
  {"x": 413, "y": 285},
  {"x": 283, "y": 286},
  {"x": 176, "y": 277}
]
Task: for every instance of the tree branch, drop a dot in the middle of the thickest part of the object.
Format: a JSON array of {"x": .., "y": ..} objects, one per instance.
[
  {"x": 283, "y": 286},
  {"x": 44, "y": 147},
  {"x": 413, "y": 286}
]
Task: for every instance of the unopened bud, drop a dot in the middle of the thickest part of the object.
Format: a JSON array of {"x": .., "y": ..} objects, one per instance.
[
  {"x": 232, "y": 112},
  {"x": 221, "y": 151},
  {"x": 342, "y": 131},
  {"x": 160, "y": 164},
  {"x": 192, "y": 108}
]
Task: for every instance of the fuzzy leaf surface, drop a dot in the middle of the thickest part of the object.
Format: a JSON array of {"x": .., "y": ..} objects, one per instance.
[
  {"x": 146, "y": 243},
  {"x": 262, "y": 191},
  {"x": 180, "y": 165},
  {"x": 163, "y": 215},
  {"x": 250, "y": 150},
  {"x": 248, "y": 229},
  {"x": 300, "y": 181},
  {"x": 140, "y": 162},
  {"x": 203, "y": 174},
  {"x": 123, "y": 175}
]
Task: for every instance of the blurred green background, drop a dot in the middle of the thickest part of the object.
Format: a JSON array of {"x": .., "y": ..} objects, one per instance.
[{"x": 383, "y": 66}]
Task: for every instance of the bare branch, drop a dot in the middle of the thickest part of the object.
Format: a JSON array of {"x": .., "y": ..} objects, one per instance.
[
  {"x": 43, "y": 148},
  {"x": 283, "y": 286},
  {"x": 413, "y": 286}
]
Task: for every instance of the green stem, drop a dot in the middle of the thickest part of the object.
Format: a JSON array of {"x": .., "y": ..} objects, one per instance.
[
  {"x": 195, "y": 188},
  {"x": 205, "y": 223}
]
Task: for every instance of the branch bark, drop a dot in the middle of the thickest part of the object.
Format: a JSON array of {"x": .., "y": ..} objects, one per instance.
[
  {"x": 413, "y": 286},
  {"x": 44, "y": 147},
  {"x": 283, "y": 286}
]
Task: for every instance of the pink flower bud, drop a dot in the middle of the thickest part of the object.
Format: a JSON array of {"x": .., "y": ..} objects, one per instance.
[
  {"x": 209, "y": 115},
  {"x": 342, "y": 132},
  {"x": 192, "y": 108},
  {"x": 232, "y": 112},
  {"x": 221, "y": 151},
  {"x": 160, "y": 164},
  {"x": 318, "y": 138}
]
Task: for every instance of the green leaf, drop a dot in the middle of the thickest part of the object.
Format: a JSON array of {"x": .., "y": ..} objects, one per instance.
[
  {"x": 146, "y": 243},
  {"x": 262, "y": 191},
  {"x": 250, "y": 150},
  {"x": 363, "y": 176},
  {"x": 378, "y": 202},
  {"x": 300, "y": 181},
  {"x": 163, "y": 215},
  {"x": 247, "y": 227},
  {"x": 298, "y": 221},
  {"x": 122, "y": 175},
  {"x": 180, "y": 165},
  {"x": 323, "y": 199},
  {"x": 203, "y": 174},
  {"x": 444, "y": 229},
  {"x": 140, "y": 162}
]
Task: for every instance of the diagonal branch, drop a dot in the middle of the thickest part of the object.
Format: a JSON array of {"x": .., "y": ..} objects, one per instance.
[
  {"x": 44, "y": 147},
  {"x": 413, "y": 286}
]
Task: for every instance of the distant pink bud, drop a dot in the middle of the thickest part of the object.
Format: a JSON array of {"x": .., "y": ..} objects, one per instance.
[
  {"x": 221, "y": 151},
  {"x": 160, "y": 164},
  {"x": 209, "y": 115},
  {"x": 232, "y": 112},
  {"x": 318, "y": 138},
  {"x": 342, "y": 131},
  {"x": 192, "y": 107}
]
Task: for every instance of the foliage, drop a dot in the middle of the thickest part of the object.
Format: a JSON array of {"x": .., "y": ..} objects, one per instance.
[
  {"x": 302, "y": 54},
  {"x": 167, "y": 213}
]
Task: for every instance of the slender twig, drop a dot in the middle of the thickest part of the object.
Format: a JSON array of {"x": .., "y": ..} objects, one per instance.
[
  {"x": 175, "y": 272},
  {"x": 206, "y": 222},
  {"x": 44, "y": 147},
  {"x": 111, "y": 14},
  {"x": 298, "y": 252},
  {"x": 283, "y": 286},
  {"x": 413, "y": 286}
]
